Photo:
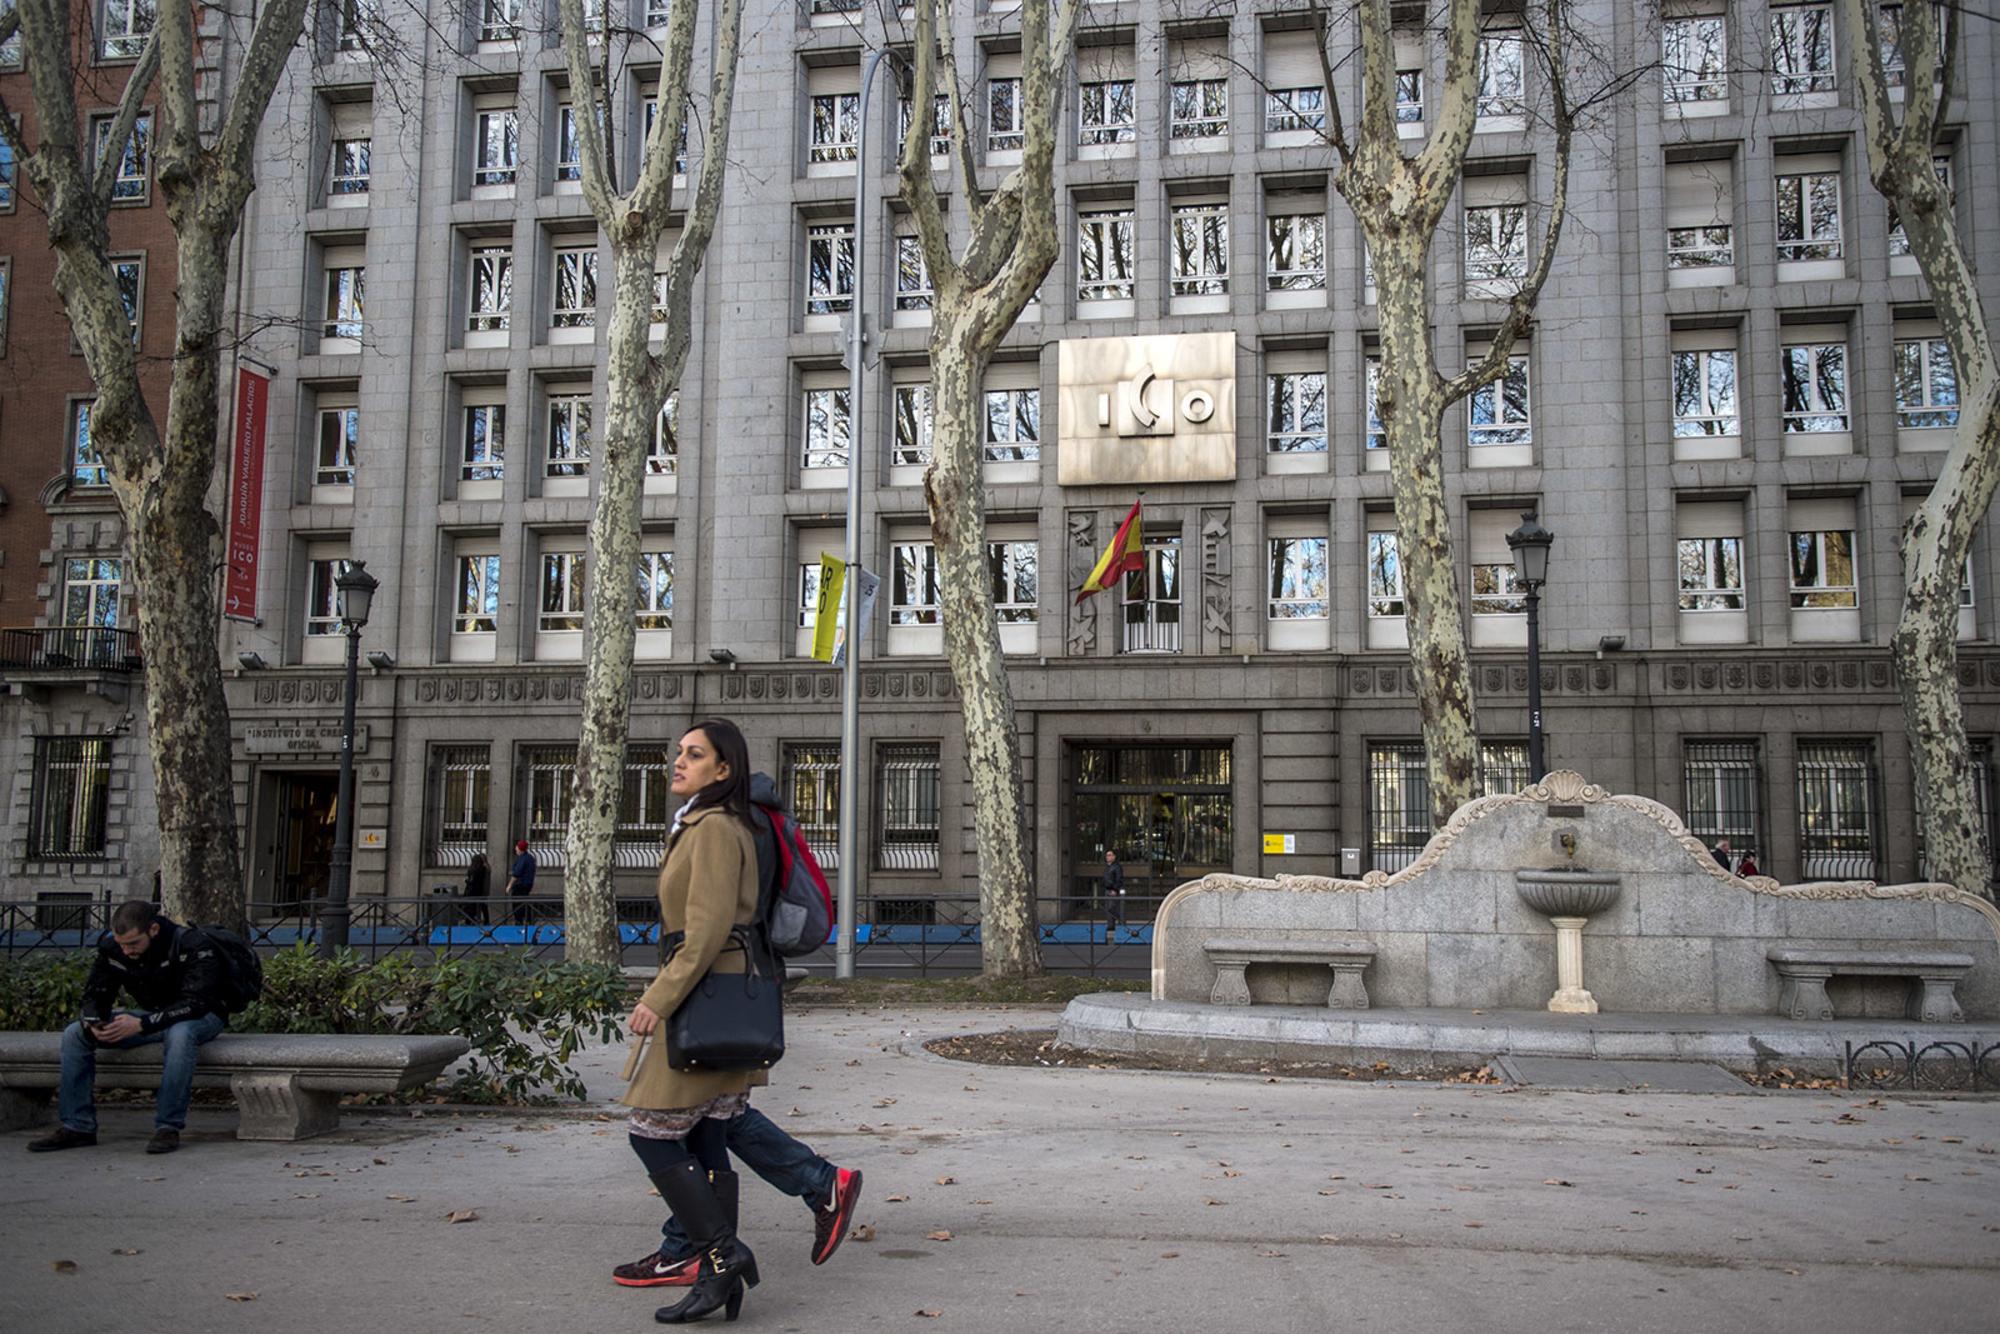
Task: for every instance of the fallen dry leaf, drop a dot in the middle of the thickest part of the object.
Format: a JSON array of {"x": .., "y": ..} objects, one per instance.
[
  {"x": 462, "y": 1216},
  {"x": 947, "y": 1181},
  {"x": 940, "y": 1235},
  {"x": 381, "y": 1162},
  {"x": 1217, "y": 1202},
  {"x": 241, "y": 1296},
  {"x": 1556, "y": 1181},
  {"x": 895, "y": 1199},
  {"x": 1170, "y": 1255},
  {"x": 401, "y": 1199},
  {"x": 63, "y": 1266},
  {"x": 928, "y": 1314},
  {"x": 126, "y": 1250},
  {"x": 862, "y": 1233}
]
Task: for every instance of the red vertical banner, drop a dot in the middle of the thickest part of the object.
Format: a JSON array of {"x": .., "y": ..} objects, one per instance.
[{"x": 246, "y": 496}]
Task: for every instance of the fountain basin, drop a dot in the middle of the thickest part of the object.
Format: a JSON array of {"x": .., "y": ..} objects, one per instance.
[{"x": 1565, "y": 893}]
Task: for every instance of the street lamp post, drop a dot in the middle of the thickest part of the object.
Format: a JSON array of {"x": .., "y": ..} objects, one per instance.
[
  {"x": 1530, "y": 544},
  {"x": 355, "y": 590}
]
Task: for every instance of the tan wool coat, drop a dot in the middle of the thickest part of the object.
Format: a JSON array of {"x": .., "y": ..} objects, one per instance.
[{"x": 708, "y": 883}]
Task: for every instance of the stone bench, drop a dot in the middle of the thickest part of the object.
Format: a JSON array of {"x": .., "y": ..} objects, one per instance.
[
  {"x": 287, "y": 1085},
  {"x": 1348, "y": 959},
  {"x": 1805, "y": 971}
]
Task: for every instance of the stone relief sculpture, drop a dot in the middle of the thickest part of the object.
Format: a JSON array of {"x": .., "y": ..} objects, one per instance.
[
  {"x": 1083, "y": 553},
  {"x": 1216, "y": 632}
]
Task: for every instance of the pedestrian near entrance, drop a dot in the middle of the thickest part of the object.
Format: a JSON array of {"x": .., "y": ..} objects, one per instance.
[
  {"x": 1723, "y": 856},
  {"x": 683, "y": 1121},
  {"x": 181, "y": 982},
  {"x": 1111, "y": 888},
  {"x": 1747, "y": 867},
  {"x": 478, "y": 887},
  {"x": 521, "y": 880}
]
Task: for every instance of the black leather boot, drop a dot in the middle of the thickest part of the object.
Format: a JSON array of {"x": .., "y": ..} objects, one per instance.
[
  {"x": 723, "y": 1183},
  {"x": 727, "y": 1266}
]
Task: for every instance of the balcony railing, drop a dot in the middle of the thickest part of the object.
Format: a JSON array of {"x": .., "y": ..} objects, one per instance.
[{"x": 74, "y": 648}]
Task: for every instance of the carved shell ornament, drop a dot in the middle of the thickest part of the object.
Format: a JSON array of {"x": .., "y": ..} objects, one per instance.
[{"x": 1566, "y": 787}]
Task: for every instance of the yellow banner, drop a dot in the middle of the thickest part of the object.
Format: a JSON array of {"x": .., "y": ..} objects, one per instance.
[{"x": 826, "y": 615}]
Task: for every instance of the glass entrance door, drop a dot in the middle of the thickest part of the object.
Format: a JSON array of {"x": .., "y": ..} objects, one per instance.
[
  {"x": 1165, "y": 810},
  {"x": 305, "y": 836}
]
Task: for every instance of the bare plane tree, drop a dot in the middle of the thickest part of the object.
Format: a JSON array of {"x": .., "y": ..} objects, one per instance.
[
  {"x": 979, "y": 294},
  {"x": 1398, "y": 202},
  {"x": 1938, "y": 537},
  {"x": 161, "y": 478},
  {"x": 638, "y": 382}
]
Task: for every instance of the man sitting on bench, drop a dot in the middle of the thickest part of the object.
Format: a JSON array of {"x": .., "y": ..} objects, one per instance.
[{"x": 180, "y": 979}]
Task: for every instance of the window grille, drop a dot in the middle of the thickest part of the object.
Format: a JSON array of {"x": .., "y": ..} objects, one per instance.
[
  {"x": 909, "y": 784},
  {"x": 1721, "y": 780},
  {"x": 464, "y": 782},
  {"x": 551, "y": 772},
  {"x": 1837, "y": 804},
  {"x": 1399, "y": 804},
  {"x": 812, "y": 790},
  {"x": 646, "y": 807},
  {"x": 72, "y": 798}
]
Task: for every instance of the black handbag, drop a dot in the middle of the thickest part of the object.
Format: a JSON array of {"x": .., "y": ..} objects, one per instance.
[{"x": 731, "y": 1021}]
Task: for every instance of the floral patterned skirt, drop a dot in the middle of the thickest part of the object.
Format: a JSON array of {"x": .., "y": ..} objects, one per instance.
[{"x": 676, "y": 1122}]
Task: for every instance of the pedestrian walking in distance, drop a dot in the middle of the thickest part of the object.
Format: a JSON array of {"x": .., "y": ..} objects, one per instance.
[
  {"x": 680, "y": 1122},
  {"x": 478, "y": 885},
  {"x": 521, "y": 880},
  {"x": 1113, "y": 889}
]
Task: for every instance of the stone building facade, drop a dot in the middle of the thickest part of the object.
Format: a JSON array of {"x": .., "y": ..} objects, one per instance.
[{"x": 1708, "y": 415}]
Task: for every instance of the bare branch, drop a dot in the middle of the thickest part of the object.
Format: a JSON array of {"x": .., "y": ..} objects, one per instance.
[
  {"x": 1336, "y": 128},
  {"x": 968, "y": 176},
  {"x": 278, "y": 28},
  {"x": 584, "y": 100},
  {"x": 913, "y": 166}
]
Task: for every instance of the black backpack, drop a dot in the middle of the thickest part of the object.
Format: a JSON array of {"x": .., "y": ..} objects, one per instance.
[{"x": 242, "y": 970}]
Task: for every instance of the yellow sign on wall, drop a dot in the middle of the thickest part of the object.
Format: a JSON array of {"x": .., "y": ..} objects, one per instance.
[{"x": 1281, "y": 844}]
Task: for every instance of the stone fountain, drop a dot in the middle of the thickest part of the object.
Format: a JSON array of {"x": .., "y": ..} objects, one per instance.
[{"x": 1569, "y": 897}]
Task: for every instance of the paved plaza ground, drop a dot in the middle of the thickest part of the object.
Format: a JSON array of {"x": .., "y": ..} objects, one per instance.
[{"x": 1059, "y": 1199}]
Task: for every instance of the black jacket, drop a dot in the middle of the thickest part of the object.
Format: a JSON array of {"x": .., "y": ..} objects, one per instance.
[
  {"x": 179, "y": 977},
  {"x": 1114, "y": 878}
]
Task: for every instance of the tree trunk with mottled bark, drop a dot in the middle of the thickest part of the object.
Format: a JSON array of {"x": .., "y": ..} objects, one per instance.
[
  {"x": 162, "y": 483},
  {"x": 979, "y": 294},
  {"x": 1938, "y": 538},
  {"x": 638, "y": 381}
]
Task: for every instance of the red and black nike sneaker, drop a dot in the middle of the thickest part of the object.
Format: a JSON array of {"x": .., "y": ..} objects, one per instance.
[
  {"x": 657, "y": 1271},
  {"x": 830, "y": 1224}
]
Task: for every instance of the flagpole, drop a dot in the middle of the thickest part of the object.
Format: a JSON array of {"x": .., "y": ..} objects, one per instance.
[{"x": 850, "y": 697}]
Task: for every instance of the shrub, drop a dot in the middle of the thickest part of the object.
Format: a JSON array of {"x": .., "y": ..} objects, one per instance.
[{"x": 525, "y": 1019}]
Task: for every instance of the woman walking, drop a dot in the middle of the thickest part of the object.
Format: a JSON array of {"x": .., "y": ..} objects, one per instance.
[{"x": 478, "y": 885}]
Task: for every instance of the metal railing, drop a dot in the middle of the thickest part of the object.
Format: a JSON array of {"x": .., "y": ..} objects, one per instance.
[
  {"x": 904, "y": 936},
  {"x": 69, "y": 648}
]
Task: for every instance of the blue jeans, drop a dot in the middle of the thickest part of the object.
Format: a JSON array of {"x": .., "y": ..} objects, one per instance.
[
  {"x": 773, "y": 1155},
  {"x": 77, "y": 1107}
]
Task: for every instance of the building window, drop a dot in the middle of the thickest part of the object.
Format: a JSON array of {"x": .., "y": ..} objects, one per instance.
[
  {"x": 91, "y": 585},
  {"x": 1815, "y": 381},
  {"x": 348, "y": 172},
  {"x": 499, "y": 20},
  {"x": 1711, "y": 573},
  {"x": 357, "y": 17},
  {"x": 1837, "y": 810},
  {"x": 1502, "y": 75},
  {"x": 913, "y": 584},
  {"x": 1979, "y": 761},
  {"x": 72, "y": 797},
  {"x": 344, "y": 299},
  {"x": 1295, "y": 259},
  {"x": 485, "y": 450},
  {"x": 496, "y": 152},
  {"x": 940, "y": 126},
  {"x": 656, "y": 590},
  {"x": 1004, "y": 119},
  {"x": 6, "y": 173},
  {"x": 464, "y": 785},
  {"x": 812, "y": 791},
  {"x": 1499, "y": 411},
  {"x": 835, "y": 125},
  {"x": 478, "y": 610},
  {"x": 1496, "y": 242},
  {"x": 125, "y": 26},
  {"x": 576, "y": 288},
  {"x": 829, "y": 268},
  {"x": 1721, "y": 779},
  {"x": 1823, "y": 570},
  {"x": 563, "y": 587},
  {"x": 86, "y": 466},
  {"x": 1013, "y": 425},
  {"x": 808, "y": 609},
  {"x": 1296, "y": 410},
  {"x": 1201, "y": 249},
  {"x": 10, "y": 50},
  {"x": 323, "y": 595},
  {"x": 569, "y": 145},
  {"x": 1371, "y": 386},
  {"x": 1298, "y": 579},
  {"x": 828, "y": 429},
  {"x": 1802, "y": 49},
  {"x": 1497, "y": 590},
  {"x": 1106, "y": 113},
  {"x": 1503, "y": 768},
  {"x": 1705, "y": 393},
  {"x": 133, "y": 162},
  {"x": 1809, "y": 216},
  {"x": 1385, "y": 576},
  {"x": 913, "y": 274},
  {"x": 130, "y": 275},
  {"x": 1695, "y": 56},
  {"x": 1700, "y": 247},
  {"x": 551, "y": 775},
  {"x": 1399, "y": 804},
  {"x": 1104, "y": 255},
  {"x": 1409, "y": 97},
  {"x": 1152, "y": 600},
  {"x": 1198, "y": 109},
  {"x": 663, "y": 458},
  {"x": 492, "y": 288},
  {"x": 1294, "y": 109},
  {"x": 908, "y": 777},
  {"x": 569, "y": 435},
  {"x": 911, "y": 445},
  {"x": 1926, "y": 385},
  {"x": 1899, "y": 236},
  {"x": 1012, "y": 576},
  {"x": 339, "y": 444}
]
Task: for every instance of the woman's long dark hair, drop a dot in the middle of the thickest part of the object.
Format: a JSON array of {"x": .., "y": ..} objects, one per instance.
[{"x": 731, "y": 793}]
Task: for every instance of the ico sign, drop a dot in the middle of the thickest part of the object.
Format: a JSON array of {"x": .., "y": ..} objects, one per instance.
[{"x": 1160, "y": 408}]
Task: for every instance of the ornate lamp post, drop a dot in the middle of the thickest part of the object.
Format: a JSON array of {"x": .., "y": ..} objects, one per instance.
[
  {"x": 355, "y": 591},
  {"x": 1530, "y": 544}
]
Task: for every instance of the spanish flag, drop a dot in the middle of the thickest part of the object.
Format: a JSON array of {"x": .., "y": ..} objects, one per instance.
[{"x": 1126, "y": 552}]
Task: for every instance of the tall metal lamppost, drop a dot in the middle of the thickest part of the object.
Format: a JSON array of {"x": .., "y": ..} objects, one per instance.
[
  {"x": 1530, "y": 544},
  {"x": 354, "y": 592}
]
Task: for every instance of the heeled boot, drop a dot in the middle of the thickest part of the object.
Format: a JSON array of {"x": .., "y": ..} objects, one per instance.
[
  {"x": 727, "y": 1266},
  {"x": 656, "y": 1270}
]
